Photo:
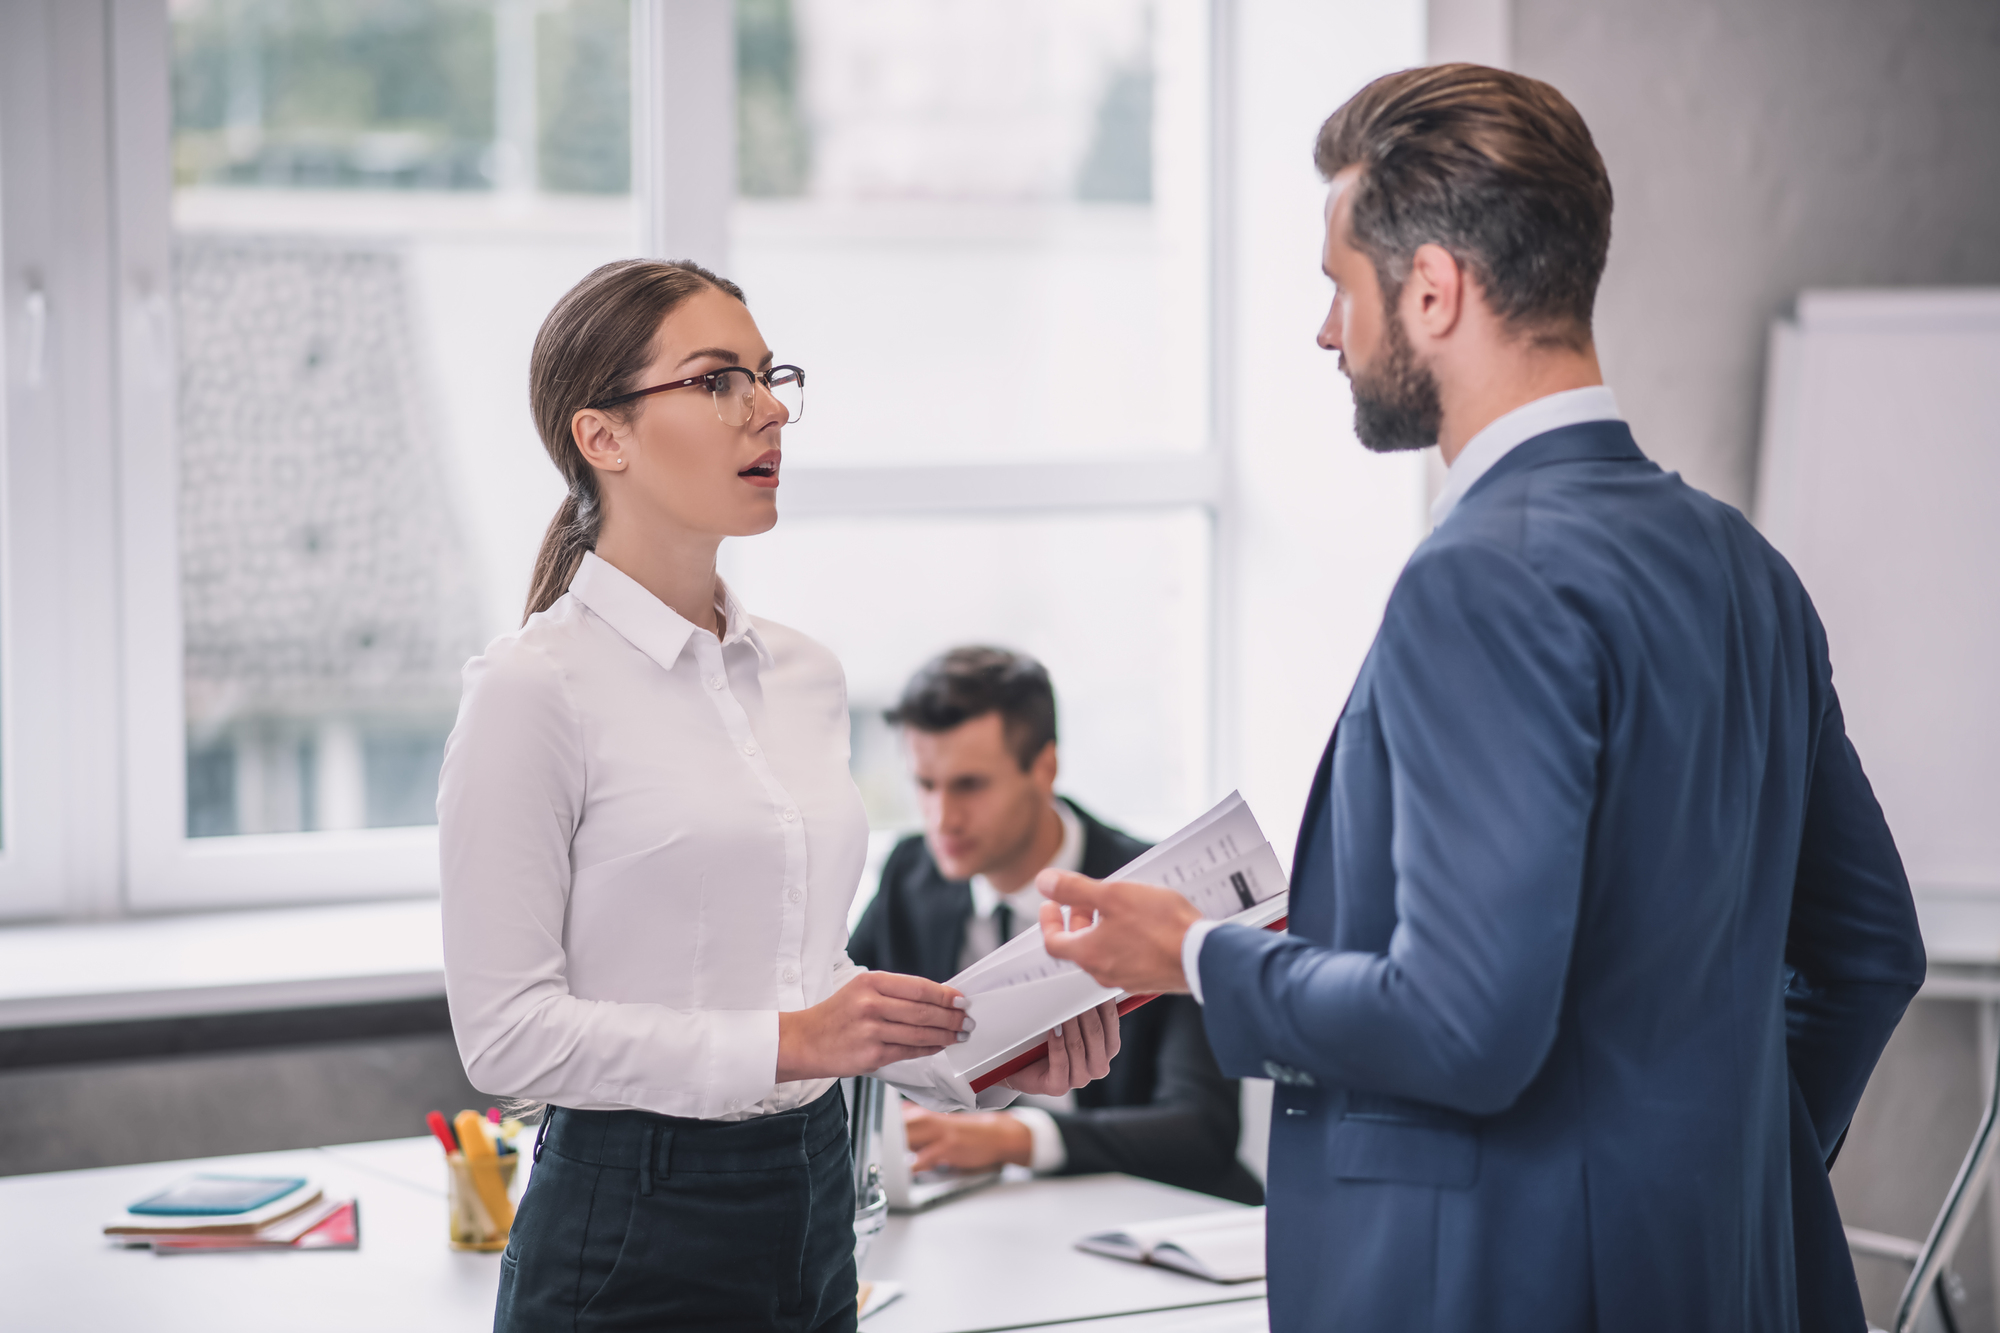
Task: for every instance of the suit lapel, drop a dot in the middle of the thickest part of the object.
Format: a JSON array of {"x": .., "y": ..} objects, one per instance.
[{"x": 946, "y": 905}]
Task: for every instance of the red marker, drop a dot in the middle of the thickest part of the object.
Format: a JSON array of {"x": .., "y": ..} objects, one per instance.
[
  {"x": 493, "y": 1115},
  {"x": 442, "y": 1128}
]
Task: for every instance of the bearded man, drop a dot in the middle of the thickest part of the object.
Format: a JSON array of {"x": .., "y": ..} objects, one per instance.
[{"x": 1597, "y": 930}]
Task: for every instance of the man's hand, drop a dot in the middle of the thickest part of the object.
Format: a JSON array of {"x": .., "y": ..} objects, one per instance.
[
  {"x": 876, "y": 1019},
  {"x": 1079, "y": 1052},
  {"x": 1136, "y": 943},
  {"x": 967, "y": 1140}
]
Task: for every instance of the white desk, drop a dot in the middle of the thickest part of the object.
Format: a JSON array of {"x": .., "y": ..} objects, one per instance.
[
  {"x": 1000, "y": 1258},
  {"x": 1003, "y": 1258}
]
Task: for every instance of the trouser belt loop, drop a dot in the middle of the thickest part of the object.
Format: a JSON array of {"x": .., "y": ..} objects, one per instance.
[
  {"x": 541, "y": 1134},
  {"x": 646, "y": 1163}
]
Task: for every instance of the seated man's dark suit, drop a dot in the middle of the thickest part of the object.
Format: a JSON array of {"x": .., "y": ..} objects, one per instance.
[
  {"x": 1596, "y": 933},
  {"x": 1164, "y": 1111}
]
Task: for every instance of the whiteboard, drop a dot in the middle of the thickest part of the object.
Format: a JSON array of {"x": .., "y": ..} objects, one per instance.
[{"x": 1880, "y": 481}]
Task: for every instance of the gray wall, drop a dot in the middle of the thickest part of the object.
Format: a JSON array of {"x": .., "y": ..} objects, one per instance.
[
  {"x": 1904, "y": 1147},
  {"x": 110, "y": 1113},
  {"x": 1758, "y": 147}
]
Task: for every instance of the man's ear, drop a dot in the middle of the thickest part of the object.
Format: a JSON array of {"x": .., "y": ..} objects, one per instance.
[
  {"x": 596, "y": 439},
  {"x": 1435, "y": 293},
  {"x": 1043, "y": 770}
]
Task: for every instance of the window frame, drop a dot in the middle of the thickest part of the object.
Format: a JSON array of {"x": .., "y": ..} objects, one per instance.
[
  {"x": 110, "y": 837},
  {"x": 59, "y": 647}
]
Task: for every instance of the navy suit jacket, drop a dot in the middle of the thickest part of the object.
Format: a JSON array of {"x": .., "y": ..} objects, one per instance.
[{"x": 1597, "y": 932}]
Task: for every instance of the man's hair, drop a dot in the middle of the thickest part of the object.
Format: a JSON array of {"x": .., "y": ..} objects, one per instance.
[
  {"x": 1497, "y": 168},
  {"x": 958, "y": 686}
]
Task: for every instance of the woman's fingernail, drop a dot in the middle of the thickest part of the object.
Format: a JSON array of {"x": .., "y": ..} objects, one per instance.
[
  {"x": 963, "y": 1035},
  {"x": 969, "y": 1024},
  {"x": 960, "y": 1002}
]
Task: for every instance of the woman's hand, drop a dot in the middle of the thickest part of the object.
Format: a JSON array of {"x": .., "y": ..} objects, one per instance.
[
  {"x": 876, "y": 1019},
  {"x": 1079, "y": 1052}
]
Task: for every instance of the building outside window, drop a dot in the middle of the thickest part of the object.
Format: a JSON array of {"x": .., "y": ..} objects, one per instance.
[{"x": 374, "y": 204}]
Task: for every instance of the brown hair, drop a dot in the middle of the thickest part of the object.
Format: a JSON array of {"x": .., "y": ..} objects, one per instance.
[
  {"x": 958, "y": 686},
  {"x": 594, "y": 345},
  {"x": 1497, "y": 168}
]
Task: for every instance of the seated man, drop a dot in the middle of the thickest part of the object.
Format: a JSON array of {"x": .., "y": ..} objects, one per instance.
[{"x": 979, "y": 726}]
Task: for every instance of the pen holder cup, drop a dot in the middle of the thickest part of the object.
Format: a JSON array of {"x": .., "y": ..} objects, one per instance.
[{"x": 472, "y": 1226}]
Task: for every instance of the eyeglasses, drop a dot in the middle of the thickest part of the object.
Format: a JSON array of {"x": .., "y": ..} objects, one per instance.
[{"x": 735, "y": 391}]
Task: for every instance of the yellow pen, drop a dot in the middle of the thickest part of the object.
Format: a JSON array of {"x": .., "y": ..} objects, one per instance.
[{"x": 484, "y": 1165}]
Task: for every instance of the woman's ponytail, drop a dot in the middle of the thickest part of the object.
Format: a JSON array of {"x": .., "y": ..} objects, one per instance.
[
  {"x": 593, "y": 346},
  {"x": 571, "y": 532}
]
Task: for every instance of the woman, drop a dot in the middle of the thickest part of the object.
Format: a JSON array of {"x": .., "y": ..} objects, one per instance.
[{"x": 650, "y": 842}]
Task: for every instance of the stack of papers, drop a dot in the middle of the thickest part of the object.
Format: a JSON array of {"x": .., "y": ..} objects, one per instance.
[
  {"x": 217, "y": 1212},
  {"x": 1221, "y": 1247},
  {"x": 1018, "y": 994}
]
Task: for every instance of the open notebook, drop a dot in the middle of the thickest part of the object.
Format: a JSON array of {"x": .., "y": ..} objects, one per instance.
[{"x": 1226, "y": 1246}]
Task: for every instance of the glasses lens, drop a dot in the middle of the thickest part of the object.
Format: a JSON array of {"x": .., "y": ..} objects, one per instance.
[
  {"x": 788, "y": 386},
  {"x": 735, "y": 390}
]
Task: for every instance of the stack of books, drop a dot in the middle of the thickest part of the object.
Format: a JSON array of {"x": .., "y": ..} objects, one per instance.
[{"x": 212, "y": 1212}]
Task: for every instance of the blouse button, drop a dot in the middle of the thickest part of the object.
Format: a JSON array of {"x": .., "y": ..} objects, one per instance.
[
  {"x": 749, "y": 749},
  {"x": 790, "y": 815},
  {"x": 791, "y": 977},
  {"x": 795, "y": 895},
  {"x": 715, "y": 682}
]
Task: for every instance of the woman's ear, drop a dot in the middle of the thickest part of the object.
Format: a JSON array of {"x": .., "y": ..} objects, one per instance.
[{"x": 597, "y": 440}]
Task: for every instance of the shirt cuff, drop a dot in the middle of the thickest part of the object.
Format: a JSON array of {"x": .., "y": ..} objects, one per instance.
[
  {"x": 1048, "y": 1154},
  {"x": 1191, "y": 955},
  {"x": 742, "y": 1059}
]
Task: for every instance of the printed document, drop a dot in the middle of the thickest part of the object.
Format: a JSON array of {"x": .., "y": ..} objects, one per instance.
[{"x": 1222, "y": 863}]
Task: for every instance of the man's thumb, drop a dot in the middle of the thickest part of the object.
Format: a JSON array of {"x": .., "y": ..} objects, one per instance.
[{"x": 1066, "y": 886}]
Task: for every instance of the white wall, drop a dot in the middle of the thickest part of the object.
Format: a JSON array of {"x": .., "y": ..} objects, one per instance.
[{"x": 1324, "y": 525}]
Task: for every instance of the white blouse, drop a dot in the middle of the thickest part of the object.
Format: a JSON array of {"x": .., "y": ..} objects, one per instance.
[{"x": 650, "y": 841}]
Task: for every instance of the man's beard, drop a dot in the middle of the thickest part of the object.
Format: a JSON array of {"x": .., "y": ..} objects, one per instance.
[{"x": 1396, "y": 403}]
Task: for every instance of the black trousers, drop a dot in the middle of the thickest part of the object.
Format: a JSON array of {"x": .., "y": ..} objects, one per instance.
[{"x": 639, "y": 1221}]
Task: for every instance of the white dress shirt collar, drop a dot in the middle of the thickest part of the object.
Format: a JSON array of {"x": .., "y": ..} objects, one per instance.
[
  {"x": 1069, "y": 856},
  {"x": 649, "y": 624},
  {"x": 1571, "y": 407}
]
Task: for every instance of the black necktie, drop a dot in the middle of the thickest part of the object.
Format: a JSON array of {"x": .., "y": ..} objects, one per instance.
[{"x": 1003, "y": 921}]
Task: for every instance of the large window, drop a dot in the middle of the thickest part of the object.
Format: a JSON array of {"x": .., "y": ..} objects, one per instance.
[
  {"x": 374, "y": 205},
  {"x": 1009, "y": 200},
  {"x": 984, "y": 231},
  {"x": 1115, "y": 604},
  {"x": 273, "y": 273}
]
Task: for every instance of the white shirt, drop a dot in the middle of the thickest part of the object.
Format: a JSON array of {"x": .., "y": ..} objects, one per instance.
[
  {"x": 650, "y": 840},
  {"x": 982, "y": 936},
  {"x": 1571, "y": 407}
]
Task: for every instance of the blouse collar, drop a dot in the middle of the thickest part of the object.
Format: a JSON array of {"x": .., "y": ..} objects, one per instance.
[{"x": 649, "y": 624}]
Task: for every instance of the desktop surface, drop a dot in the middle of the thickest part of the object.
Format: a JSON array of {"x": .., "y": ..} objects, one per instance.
[{"x": 998, "y": 1258}]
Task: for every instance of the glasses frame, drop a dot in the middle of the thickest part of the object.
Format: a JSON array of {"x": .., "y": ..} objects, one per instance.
[{"x": 713, "y": 381}]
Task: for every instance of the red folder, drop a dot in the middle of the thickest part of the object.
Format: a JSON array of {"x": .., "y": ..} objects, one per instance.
[{"x": 1034, "y": 1053}]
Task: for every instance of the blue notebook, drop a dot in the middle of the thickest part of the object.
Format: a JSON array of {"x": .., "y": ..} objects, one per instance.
[{"x": 216, "y": 1196}]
